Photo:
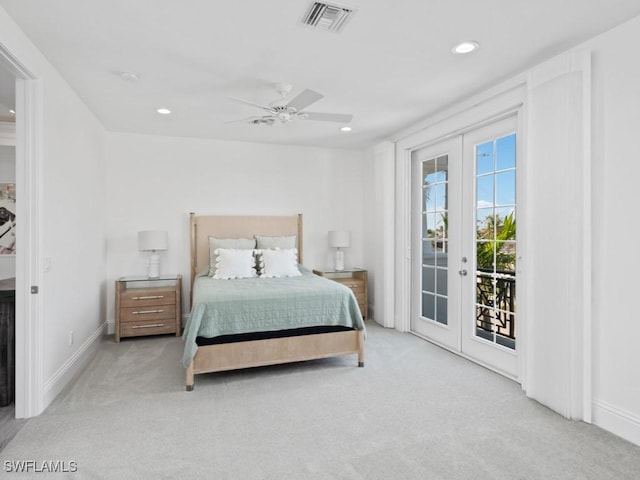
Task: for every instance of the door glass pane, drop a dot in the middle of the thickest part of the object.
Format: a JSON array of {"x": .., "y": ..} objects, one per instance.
[
  {"x": 506, "y": 188},
  {"x": 485, "y": 223},
  {"x": 484, "y": 158},
  {"x": 428, "y": 279},
  {"x": 505, "y": 223},
  {"x": 428, "y": 306},
  {"x": 441, "y": 283},
  {"x": 485, "y": 255},
  {"x": 506, "y": 153},
  {"x": 485, "y": 191},
  {"x": 496, "y": 241},
  {"x": 434, "y": 239},
  {"x": 439, "y": 197},
  {"x": 429, "y": 226}
]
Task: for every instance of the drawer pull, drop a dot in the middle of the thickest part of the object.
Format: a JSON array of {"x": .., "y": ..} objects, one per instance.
[
  {"x": 149, "y": 326},
  {"x": 148, "y": 297},
  {"x": 144, "y": 312}
]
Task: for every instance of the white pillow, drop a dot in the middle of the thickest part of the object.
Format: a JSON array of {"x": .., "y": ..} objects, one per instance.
[
  {"x": 215, "y": 243},
  {"x": 278, "y": 263},
  {"x": 234, "y": 263}
]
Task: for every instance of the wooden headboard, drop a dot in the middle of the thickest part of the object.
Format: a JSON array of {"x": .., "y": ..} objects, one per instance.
[{"x": 228, "y": 226}]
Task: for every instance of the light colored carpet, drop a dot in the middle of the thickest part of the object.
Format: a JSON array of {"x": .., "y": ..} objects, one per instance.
[
  {"x": 9, "y": 424},
  {"x": 414, "y": 412}
]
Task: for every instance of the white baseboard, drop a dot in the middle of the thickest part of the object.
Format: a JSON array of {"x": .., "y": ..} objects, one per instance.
[
  {"x": 72, "y": 366},
  {"x": 617, "y": 421}
]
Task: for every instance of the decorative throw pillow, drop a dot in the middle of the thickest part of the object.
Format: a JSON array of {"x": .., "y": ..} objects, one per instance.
[
  {"x": 236, "y": 243},
  {"x": 234, "y": 263},
  {"x": 278, "y": 263},
  {"x": 264, "y": 242}
]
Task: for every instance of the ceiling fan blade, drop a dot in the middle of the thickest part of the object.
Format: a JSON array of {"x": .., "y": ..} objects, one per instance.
[
  {"x": 240, "y": 120},
  {"x": 304, "y": 99},
  {"x": 264, "y": 107},
  {"x": 255, "y": 120},
  {"x": 328, "y": 117}
]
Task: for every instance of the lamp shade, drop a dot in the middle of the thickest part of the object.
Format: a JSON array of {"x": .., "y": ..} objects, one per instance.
[
  {"x": 153, "y": 240},
  {"x": 339, "y": 238}
]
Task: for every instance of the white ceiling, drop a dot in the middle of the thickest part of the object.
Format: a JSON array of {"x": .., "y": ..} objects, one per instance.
[{"x": 390, "y": 67}]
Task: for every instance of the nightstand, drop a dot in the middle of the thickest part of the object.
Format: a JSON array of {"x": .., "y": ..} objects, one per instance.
[
  {"x": 355, "y": 279},
  {"x": 148, "y": 306}
]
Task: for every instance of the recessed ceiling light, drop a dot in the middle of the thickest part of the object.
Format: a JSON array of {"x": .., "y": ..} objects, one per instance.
[
  {"x": 465, "y": 47},
  {"x": 163, "y": 111},
  {"x": 346, "y": 129},
  {"x": 11, "y": 110}
]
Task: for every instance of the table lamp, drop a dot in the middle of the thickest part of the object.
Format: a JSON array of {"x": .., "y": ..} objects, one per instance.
[
  {"x": 153, "y": 241},
  {"x": 339, "y": 239}
]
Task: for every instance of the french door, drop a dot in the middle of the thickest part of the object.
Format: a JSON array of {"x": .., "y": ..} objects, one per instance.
[{"x": 464, "y": 244}]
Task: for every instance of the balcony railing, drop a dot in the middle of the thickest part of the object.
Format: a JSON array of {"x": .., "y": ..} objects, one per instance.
[{"x": 495, "y": 306}]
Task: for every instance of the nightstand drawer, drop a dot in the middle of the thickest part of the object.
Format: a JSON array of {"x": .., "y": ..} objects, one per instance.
[
  {"x": 357, "y": 288},
  {"x": 143, "y": 297},
  {"x": 149, "y": 327},
  {"x": 144, "y": 313}
]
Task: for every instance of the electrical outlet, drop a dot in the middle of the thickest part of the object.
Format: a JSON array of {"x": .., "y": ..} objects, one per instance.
[{"x": 71, "y": 338}]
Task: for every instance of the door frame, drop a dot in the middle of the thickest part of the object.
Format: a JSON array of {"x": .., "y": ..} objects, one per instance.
[
  {"x": 471, "y": 115},
  {"x": 29, "y": 385}
]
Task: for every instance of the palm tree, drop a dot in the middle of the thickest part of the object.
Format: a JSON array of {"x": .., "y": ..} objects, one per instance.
[{"x": 488, "y": 246}]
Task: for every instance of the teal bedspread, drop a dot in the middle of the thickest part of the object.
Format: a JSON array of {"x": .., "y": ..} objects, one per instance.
[{"x": 226, "y": 307}]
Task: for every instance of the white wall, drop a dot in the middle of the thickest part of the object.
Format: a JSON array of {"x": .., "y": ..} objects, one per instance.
[
  {"x": 380, "y": 231},
  {"x": 73, "y": 212},
  {"x": 7, "y": 174},
  {"x": 154, "y": 182},
  {"x": 73, "y": 229},
  {"x": 616, "y": 170}
]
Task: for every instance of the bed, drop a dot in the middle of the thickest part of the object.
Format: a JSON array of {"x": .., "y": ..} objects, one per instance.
[{"x": 251, "y": 322}]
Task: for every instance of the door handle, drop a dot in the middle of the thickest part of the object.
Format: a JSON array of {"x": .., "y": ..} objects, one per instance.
[{"x": 463, "y": 273}]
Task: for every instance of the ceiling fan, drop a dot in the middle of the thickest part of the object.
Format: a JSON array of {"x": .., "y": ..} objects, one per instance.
[{"x": 288, "y": 111}]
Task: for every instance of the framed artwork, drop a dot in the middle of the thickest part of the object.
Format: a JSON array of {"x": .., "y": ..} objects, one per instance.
[{"x": 7, "y": 218}]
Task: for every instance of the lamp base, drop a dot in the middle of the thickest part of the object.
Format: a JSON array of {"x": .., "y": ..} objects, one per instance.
[
  {"x": 153, "y": 266},
  {"x": 339, "y": 260}
]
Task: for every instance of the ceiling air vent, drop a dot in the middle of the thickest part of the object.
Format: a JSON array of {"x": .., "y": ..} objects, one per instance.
[{"x": 324, "y": 16}]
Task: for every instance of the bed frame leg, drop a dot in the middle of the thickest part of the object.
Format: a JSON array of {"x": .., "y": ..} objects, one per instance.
[
  {"x": 360, "y": 349},
  {"x": 189, "y": 377}
]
